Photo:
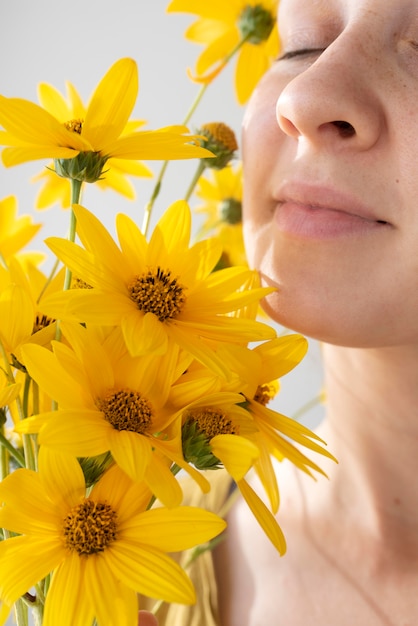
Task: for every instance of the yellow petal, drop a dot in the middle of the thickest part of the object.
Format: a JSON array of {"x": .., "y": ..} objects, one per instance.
[
  {"x": 148, "y": 571},
  {"x": 189, "y": 526},
  {"x": 131, "y": 451},
  {"x": 236, "y": 453},
  {"x": 144, "y": 334},
  {"x": 111, "y": 104},
  {"x": 24, "y": 561},
  {"x": 67, "y": 602},
  {"x": 119, "y": 604},
  {"x": 266, "y": 520},
  {"x": 162, "y": 483},
  {"x": 31, "y": 124}
]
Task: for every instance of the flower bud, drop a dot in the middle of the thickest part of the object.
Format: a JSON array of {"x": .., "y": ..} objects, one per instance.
[
  {"x": 85, "y": 167},
  {"x": 255, "y": 24},
  {"x": 221, "y": 140}
]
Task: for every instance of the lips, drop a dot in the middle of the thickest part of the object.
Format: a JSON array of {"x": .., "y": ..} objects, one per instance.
[{"x": 310, "y": 211}]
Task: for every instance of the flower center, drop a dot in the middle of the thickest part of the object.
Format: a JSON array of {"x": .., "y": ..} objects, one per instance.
[
  {"x": 41, "y": 321},
  {"x": 255, "y": 24},
  {"x": 265, "y": 393},
  {"x": 90, "y": 527},
  {"x": 201, "y": 424},
  {"x": 79, "y": 283},
  {"x": 75, "y": 126},
  {"x": 212, "y": 421},
  {"x": 231, "y": 211},
  {"x": 126, "y": 410},
  {"x": 158, "y": 293}
]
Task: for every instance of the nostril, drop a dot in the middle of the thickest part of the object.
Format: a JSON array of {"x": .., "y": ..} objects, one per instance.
[{"x": 345, "y": 128}]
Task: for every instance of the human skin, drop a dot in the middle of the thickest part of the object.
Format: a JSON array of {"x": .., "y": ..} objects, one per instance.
[
  {"x": 146, "y": 619},
  {"x": 334, "y": 285},
  {"x": 331, "y": 220}
]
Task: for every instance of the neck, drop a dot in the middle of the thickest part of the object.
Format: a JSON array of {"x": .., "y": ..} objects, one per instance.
[{"x": 372, "y": 428}]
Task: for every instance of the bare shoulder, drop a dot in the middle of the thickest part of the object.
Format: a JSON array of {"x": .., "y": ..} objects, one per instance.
[
  {"x": 328, "y": 575},
  {"x": 257, "y": 585}
]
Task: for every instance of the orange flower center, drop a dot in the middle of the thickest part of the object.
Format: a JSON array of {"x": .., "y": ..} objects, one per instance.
[
  {"x": 90, "y": 527},
  {"x": 126, "y": 410},
  {"x": 264, "y": 394},
  {"x": 158, "y": 293},
  {"x": 41, "y": 321},
  {"x": 75, "y": 126},
  {"x": 212, "y": 421}
]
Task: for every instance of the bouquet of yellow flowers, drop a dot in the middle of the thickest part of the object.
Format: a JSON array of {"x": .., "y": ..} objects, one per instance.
[{"x": 138, "y": 358}]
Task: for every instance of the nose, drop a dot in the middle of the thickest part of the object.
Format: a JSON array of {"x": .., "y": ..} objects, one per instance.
[{"x": 335, "y": 101}]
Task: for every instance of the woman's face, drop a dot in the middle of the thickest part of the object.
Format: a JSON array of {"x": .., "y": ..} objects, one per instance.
[{"x": 330, "y": 149}]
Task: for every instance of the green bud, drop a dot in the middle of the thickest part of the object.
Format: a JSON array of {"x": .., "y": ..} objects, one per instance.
[
  {"x": 196, "y": 447},
  {"x": 94, "y": 467},
  {"x": 255, "y": 24},
  {"x": 221, "y": 141},
  {"x": 231, "y": 211},
  {"x": 85, "y": 167}
]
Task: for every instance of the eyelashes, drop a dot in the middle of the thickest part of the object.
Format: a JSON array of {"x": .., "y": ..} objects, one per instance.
[{"x": 300, "y": 52}]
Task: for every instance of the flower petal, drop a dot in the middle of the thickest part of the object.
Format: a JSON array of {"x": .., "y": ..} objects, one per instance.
[
  {"x": 131, "y": 451},
  {"x": 111, "y": 104},
  {"x": 266, "y": 519},
  {"x": 189, "y": 526},
  {"x": 144, "y": 334},
  {"x": 150, "y": 572},
  {"x": 24, "y": 561},
  {"x": 236, "y": 453},
  {"x": 67, "y": 602}
]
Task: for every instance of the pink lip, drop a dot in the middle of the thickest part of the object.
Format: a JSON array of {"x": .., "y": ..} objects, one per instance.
[{"x": 314, "y": 212}]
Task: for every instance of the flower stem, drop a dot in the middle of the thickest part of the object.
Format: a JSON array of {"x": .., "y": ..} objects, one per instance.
[
  {"x": 150, "y": 204},
  {"x": 6, "y": 445},
  {"x": 198, "y": 173},
  {"x": 75, "y": 198}
]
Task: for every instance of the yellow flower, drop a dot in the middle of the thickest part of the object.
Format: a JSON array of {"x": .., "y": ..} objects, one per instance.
[
  {"x": 221, "y": 196},
  {"x": 58, "y": 190},
  {"x": 102, "y": 548},
  {"x": 81, "y": 146},
  {"x": 21, "y": 293},
  {"x": 8, "y": 391},
  {"x": 158, "y": 292},
  {"x": 108, "y": 401},
  {"x": 15, "y": 231},
  {"x": 221, "y": 26},
  {"x": 276, "y": 431},
  {"x": 216, "y": 430}
]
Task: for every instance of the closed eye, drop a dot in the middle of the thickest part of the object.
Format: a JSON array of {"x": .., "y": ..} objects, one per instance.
[{"x": 299, "y": 52}]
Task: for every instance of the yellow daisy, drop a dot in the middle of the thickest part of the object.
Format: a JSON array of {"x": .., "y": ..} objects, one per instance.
[
  {"x": 222, "y": 27},
  {"x": 21, "y": 294},
  {"x": 81, "y": 146},
  {"x": 104, "y": 541},
  {"x": 276, "y": 432},
  {"x": 216, "y": 430},
  {"x": 221, "y": 196},
  {"x": 108, "y": 401},
  {"x": 58, "y": 190},
  {"x": 15, "y": 231},
  {"x": 158, "y": 292}
]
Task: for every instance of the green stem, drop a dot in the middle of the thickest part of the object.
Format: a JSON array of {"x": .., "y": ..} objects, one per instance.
[
  {"x": 18, "y": 457},
  {"x": 75, "y": 198},
  {"x": 149, "y": 206},
  {"x": 49, "y": 279},
  {"x": 198, "y": 173},
  {"x": 21, "y": 613}
]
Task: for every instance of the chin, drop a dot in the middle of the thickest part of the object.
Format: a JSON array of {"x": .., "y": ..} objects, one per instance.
[{"x": 325, "y": 323}]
